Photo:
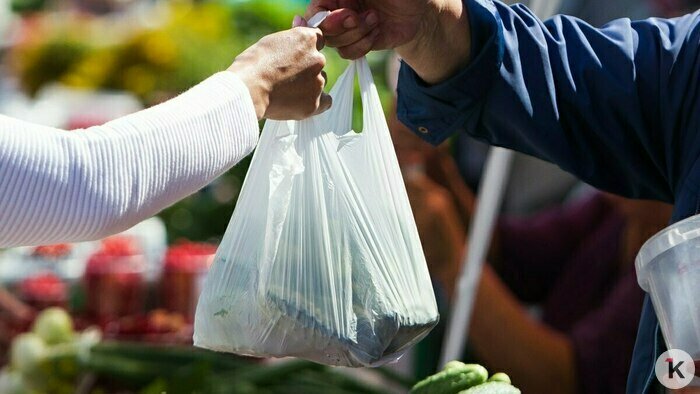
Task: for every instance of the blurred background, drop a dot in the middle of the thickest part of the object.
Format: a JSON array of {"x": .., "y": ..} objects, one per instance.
[{"x": 77, "y": 63}]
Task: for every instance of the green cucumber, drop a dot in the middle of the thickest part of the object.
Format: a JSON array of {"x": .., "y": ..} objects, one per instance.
[{"x": 452, "y": 380}]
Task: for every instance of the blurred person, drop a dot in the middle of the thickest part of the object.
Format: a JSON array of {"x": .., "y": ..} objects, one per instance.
[
  {"x": 576, "y": 262},
  {"x": 58, "y": 186}
]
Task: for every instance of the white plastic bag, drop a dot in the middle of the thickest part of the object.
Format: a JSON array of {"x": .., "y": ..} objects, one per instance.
[{"x": 321, "y": 259}]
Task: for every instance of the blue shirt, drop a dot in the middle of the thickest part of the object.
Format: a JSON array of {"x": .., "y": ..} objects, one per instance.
[{"x": 619, "y": 106}]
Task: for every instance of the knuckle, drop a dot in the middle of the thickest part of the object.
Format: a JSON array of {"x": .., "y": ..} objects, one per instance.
[
  {"x": 320, "y": 60},
  {"x": 302, "y": 36},
  {"x": 321, "y": 82},
  {"x": 310, "y": 35}
]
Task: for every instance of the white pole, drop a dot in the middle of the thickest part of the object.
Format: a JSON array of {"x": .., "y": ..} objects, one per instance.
[
  {"x": 493, "y": 185},
  {"x": 491, "y": 192}
]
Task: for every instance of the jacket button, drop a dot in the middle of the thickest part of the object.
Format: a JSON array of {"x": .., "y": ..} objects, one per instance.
[{"x": 423, "y": 130}]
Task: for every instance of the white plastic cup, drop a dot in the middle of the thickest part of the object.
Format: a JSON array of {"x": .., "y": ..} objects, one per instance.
[{"x": 668, "y": 268}]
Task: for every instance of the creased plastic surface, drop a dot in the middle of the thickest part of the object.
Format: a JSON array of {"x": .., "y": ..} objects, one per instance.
[{"x": 321, "y": 259}]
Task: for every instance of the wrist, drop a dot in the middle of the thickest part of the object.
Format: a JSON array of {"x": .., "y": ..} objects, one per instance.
[
  {"x": 257, "y": 87},
  {"x": 442, "y": 44}
]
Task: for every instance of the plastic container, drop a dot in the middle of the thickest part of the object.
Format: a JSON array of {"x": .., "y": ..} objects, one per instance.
[{"x": 668, "y": 268}]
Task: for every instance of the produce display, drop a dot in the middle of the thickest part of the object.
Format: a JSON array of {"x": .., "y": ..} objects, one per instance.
[
  {"x": 47, "y": 359},
  {"x": 461, "y": 378},
  {"x": 55, "y": 359}
]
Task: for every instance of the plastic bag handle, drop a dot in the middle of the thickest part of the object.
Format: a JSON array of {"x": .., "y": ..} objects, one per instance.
[
  {"x": 316, "y": 20},
  {"x": 359, "y": 67},
  {"x": 369, "y": 95}
]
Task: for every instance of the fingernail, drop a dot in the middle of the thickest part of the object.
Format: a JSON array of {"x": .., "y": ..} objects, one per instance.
[
  {"x": 297, "y": 21},
  {"x": 349, "y": 23},
  {"x": 372, "y": 19}
]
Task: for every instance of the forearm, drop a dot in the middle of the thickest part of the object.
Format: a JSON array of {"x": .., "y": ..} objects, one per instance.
[
  {"x": 571, "y": 94},
  {"x": 506, "y": 338},
  {"x": 442, "y": 45},
  {"x": 58, "y": 186}
]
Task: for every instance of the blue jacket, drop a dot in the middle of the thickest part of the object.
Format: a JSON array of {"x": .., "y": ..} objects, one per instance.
[{"x": 618, "y": 106}]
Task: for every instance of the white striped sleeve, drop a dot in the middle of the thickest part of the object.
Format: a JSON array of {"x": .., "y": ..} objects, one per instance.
[{"x": 61, "y": 186}]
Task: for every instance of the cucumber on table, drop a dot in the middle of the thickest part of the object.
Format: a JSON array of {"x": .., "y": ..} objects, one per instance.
[{"x": 452, "y": 379}]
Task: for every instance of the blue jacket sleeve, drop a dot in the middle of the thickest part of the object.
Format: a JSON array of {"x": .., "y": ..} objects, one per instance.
[{"x": 617, "y": 106}]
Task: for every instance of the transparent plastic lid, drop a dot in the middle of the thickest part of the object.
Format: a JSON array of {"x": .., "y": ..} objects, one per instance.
[{"x": 663, "y": 241}]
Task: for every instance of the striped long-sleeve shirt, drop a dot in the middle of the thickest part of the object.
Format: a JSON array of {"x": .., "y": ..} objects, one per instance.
[{"x": 59, "y": 186}]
